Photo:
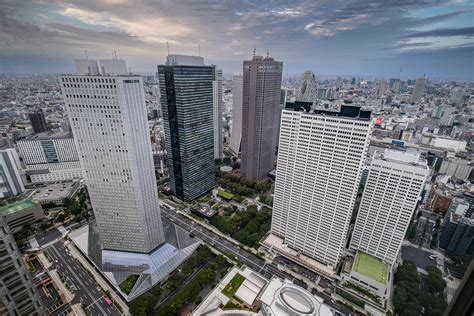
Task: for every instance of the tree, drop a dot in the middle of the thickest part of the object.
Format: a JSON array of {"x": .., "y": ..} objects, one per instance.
[
  {"x": 68, "y": 201},
  {"x": 407, "y": 293},
  {"x": 436, "y": 284},
  {"x": 438, "y": 223},
  {"x": 436, "y": 305}
]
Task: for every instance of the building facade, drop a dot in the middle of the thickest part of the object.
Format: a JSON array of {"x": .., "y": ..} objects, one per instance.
[
  {"x": 394, "y": 185},
  {"x": 306, "y": 87},
  {"x": 218, "y": 105},
  {"x": 21, "y": 212},
  {"x": 10, "y": 179},
  {"x": 187, "y": 104},
  {"x": 418, "y": 90},
  {"x": 260, "y": 106},
  {"x": 17, "y": 292},
  {"x": 236, "y": 132},
  {"x": 50, "y": 157},
  {"x": 37, "y": 121},
  {"x": 320, "y": 161},
  {"x": 458, "y": 231},
  {"x": 109, "y": 121}
]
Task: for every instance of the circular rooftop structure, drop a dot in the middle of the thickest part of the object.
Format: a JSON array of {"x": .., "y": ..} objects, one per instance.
[
  {"x": 226, "y": 169},
  {"x": 298, "y": 301}
]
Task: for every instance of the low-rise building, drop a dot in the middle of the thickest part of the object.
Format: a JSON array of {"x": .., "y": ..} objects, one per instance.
[
  {"x": 50, "y": 157},
  {"x": 55, "y": 192},
  {"x": 368, "y": 272},
  {"x": 283, "y": 298},
  {"x": 21, "y": 212},
  {"x": 457, "y": 168}
]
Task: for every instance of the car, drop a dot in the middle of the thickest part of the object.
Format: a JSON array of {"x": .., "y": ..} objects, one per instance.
[{"x": 108, "y": 300}]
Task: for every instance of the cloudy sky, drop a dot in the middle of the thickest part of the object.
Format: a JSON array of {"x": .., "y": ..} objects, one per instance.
[{"x": 338, "y": 37}]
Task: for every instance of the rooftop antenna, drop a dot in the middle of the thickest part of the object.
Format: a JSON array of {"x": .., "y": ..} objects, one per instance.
[
  {"x": 85, "y": 52},
  {"x": 254, "y": 50},
  {"x": 199, "y": 50},
  {"x": 168, "y": 47},
  {"x": 268, "y": 53}
]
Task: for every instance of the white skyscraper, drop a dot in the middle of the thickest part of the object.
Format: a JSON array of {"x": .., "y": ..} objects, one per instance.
[
  {"x": 236, "y": 132},
  {"x": 391, "y": 193},
  {"x": 109, "y": 121},
  {"x": 418, "y": 89},
  {"x": 320, "y": 161},
  {"x": 10, "y": 179},
  {"x": 217, "y": 108}
]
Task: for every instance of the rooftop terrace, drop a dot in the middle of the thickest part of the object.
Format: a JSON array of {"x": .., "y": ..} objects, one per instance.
[
  {"x": 370, "y": 267},
  {"x": 16, "y": 207}
]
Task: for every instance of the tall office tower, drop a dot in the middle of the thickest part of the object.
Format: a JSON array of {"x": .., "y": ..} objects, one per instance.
[
  {"x": 306, "y": 87},
  {"x": 187, "y": 104},
  {"x": 37, "y": 121},
  {"x": 236, "y": 132},
  {"x": 418, "y": 89},
  {"x": 109, "y": 121},
  {"x": 394, "y": 84},
  {"x": 50, "y": 157},
  {"x": 382, "y": 88},
  {"x": 391, "y": 193},
  {"x": 10, "y": 179},
  {"x": 320, "y": 161},
  {"x": 260, "y": 105},
  {"x": 17, "y": 293},
  {"x": 218, "y": 104}
]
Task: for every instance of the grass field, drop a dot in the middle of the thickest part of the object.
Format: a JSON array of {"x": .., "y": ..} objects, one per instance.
[
  {"x": 226, "y": 195},
  {"x": 233, "y": 285},
  {"x": 371, "y": 267}
]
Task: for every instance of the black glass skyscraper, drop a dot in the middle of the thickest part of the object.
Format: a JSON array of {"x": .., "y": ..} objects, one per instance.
[{"x": 187, "y": 105}]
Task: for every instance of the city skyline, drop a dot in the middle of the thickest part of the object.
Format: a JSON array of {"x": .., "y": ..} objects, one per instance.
[{"x": 359, "y": 38}]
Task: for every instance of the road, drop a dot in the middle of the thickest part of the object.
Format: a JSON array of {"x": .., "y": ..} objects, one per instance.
[
  {"x": 226, "y": 247},
  {"x": 84, "y": 287}
]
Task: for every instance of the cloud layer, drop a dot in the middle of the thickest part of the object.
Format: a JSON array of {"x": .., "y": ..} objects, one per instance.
[{"x": 328, "y": 36}]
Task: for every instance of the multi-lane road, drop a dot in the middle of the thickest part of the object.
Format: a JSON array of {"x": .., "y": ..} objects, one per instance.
[
  {"x": 85, "y": 289},
  {"x": 250, "y": 260},
  {"x": 90, "y": 295}
]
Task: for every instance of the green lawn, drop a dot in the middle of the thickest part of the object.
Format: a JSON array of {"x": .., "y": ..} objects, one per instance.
[
  {"x": 233, "y": 285},
  {"x": 226, "y": 195},
  {"x": 370, "y": 267}
]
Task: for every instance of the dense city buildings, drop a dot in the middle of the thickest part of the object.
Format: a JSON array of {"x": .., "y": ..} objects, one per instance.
[
  {"x": 187, "y": 102},
  {"x": 391, "y": 193},
  {"x": 11, "y": 183},
  {"x": 37, "y": 121},
  {"x": 108, "y": 119},
  {"x": 320, "y": 160},
  {"x": 50, "y": 157},
  {"x": 217, "y": 103},
  {"x": 260, "y": 105},
  {"x": 236, "y": 132},
  {"x": 17, "y": 292}
]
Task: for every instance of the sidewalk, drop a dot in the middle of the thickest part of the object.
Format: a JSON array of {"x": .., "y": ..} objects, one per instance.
[{"x": 98, "y": 278}]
